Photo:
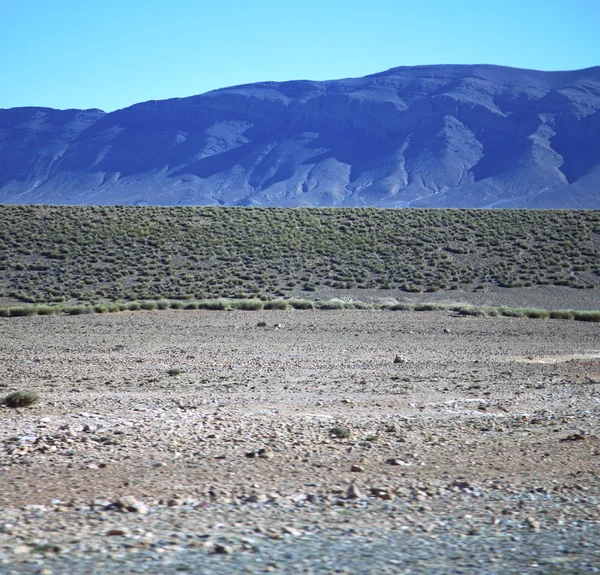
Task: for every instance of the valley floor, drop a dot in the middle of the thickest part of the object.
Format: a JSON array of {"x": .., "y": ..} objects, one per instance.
[{"x": 300, "y": 442}]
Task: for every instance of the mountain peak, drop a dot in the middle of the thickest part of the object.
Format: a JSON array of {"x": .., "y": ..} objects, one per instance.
[{"x": 423, "y": 136}]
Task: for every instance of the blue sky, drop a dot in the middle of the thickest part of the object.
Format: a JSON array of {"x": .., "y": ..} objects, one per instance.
[{"x": 110, "y": 54}]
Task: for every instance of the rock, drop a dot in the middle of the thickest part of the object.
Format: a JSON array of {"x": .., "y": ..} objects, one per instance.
[
  {"x": 462, "y": 485},
  {"x": 292, "y": 531},
  {"x": 131, "y": 505},
  {"x": 382, "y": 493},
  {"x": 581, "y": 436},
  {"x": 45, "y": 571},
  {"x": 118, "y": 532},
  {"x": 261, "y": 324},
  {"x": 446, "y": 330},
  {"x": 354, "y": 493},
  {"x": 398, "y": 462},
  {"x": 257, "y": 498},
  {"x": 222, "y": 549},
  {"x": 265, "y": 453},
  {"x": 533, "y": 524},
  {"x": 400, "y": 359},
  {"x": 21, "y": 550},
  {"x": 357, "y": 468}
]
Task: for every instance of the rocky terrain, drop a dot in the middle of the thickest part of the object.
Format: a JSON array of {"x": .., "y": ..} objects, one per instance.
[
  {"x": 428, "y": 136},
  {"x": 299, "y": 442}
]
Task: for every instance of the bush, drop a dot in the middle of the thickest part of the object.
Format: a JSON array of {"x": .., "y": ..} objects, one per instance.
[
  {"x": 277, "y": 304},
  {"x": 562, "y": 314},
  {"x": 20, "y": 399},
  {"x": 78, "y": 309},
  {"x": 587, "y": 316},
  {"x": 247, "y": 304},
  {"x": 22, "y": 311},
  {"x": 331, "y": 304},
  {"x": 301, "y": 304},
  {"x": 340, "y": 432}
]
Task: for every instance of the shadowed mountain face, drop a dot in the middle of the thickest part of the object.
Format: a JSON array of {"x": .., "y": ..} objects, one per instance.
[{"x": 428, "y": 136}]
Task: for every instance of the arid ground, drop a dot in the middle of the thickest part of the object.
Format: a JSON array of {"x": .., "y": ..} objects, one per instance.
[{"x": 300, "y": 442}]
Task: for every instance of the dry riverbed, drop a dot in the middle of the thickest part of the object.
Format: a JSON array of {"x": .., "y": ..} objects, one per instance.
[{"x": 300, "y": 442}]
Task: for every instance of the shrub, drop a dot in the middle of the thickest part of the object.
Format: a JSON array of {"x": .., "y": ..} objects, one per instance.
[
  {"x": 301, "y": 304},
  {"x": 562, "y": 314},
  {"x": 20, "y": 399},
  {"x": 587, "y": 315},
  {"x": 247, "y": 304},
  {"x": 78, "y": 309},
  {"x": 214, "y": 304},
  {"x": 47, "y": 310},
  {"x": 340, "y": 432},
  {"x": 22, "y": 311},
  {"x": 277, "y": 304},
  {"x": 331, "y": 304},
  {"x": 174, "y": 371},
  {"x": 148, "y": 305}
]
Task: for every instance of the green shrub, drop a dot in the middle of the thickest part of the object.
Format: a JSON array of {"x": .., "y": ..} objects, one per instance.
[
  {"x": 148, "y": 305},
  {"x": 301, "y": 304},
  {"x": 340, "y": 432},
  {"x": 330, "y": 304},
  {"x": 562, "y": 314},
  {"x": 20, "y": 399},
  {"x": 277, "y": 304},
  {"x": 78, "y": 309},
  {"x": 587, "y": 316},
  {"x": 247, "y": 304}
]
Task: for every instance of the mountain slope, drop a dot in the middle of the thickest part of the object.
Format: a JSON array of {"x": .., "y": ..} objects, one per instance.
[{"x": 430, "y": 136}]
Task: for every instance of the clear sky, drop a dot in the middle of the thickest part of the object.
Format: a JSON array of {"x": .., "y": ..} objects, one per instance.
[{"x": 110, "y": 54}]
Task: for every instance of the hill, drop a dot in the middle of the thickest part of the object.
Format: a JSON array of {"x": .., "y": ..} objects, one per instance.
[
  {"x": 96, "y": 254},
  {"x": 431, "y": 136}
]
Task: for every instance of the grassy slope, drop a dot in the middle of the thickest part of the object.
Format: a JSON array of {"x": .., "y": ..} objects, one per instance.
[{"x": 92, "y": 254}]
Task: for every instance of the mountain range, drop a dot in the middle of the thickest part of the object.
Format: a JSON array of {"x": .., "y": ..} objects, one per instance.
[{"x": 475, "y": 136}]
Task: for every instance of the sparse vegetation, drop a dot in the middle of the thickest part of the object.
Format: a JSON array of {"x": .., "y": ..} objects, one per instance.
[
  {"x": 334, "y": 304},
  {"x": 340, "y": 432},
  {"x": 94, "y": 255},
  {"x": 19, "y": 399}
]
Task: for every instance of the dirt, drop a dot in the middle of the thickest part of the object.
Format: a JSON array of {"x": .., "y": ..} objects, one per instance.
[{"x": 204, "y": 410}]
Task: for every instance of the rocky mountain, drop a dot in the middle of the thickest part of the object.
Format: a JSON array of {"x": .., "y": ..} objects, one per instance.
[{"x": 428, "y": 136}]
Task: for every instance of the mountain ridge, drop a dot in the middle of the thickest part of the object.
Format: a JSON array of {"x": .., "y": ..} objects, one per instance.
[{"x": 427, "y": 136}]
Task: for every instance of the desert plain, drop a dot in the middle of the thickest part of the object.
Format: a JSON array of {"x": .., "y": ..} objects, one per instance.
[{"x": 299, "y": 441}]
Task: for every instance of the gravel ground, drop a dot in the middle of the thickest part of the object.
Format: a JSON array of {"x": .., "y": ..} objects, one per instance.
[{"x": 319, "y": 442}]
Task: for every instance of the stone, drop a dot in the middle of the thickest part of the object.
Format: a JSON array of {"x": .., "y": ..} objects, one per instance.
[
  {"x": 354, "y": 493},
  {"x": 118, "y": 532},
  {"x": 292, "y": 531},
  {"x": 400, "y": 359},
  {"x": 398, "y": 462},
  {"x": 257, "y": 498},
  {"x": 357, "y": 468},
  {"x": 131, "y": 505},
  {"x": 261, "y": 324},
  {"x": 382, "y": 493},
  {"x": 265, "y": 453},
  {"x": 222, "y": 549}
]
